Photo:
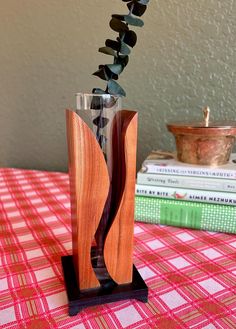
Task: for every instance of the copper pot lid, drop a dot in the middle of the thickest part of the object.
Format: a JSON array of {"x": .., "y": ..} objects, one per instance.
[{"x": 203, "y": 127}]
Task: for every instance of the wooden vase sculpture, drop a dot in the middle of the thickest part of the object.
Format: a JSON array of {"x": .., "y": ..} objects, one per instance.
[{"x": 102, "y": 213}]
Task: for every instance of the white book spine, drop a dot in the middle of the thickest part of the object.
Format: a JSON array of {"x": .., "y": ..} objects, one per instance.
[
  {"x": 225, "y": 198},
  {"x": 202, "y": 183},
  {"x": 153, "y": 168}
]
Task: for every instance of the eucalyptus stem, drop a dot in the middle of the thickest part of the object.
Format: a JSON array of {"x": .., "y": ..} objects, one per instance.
[{"x": 120, "y": 48}]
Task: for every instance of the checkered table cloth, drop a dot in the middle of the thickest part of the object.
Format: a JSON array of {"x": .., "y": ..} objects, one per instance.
[{"x": 191, "y": 274}]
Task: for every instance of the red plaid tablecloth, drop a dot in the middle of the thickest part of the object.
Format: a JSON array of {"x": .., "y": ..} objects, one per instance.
[{"x": 191, "y": 275}]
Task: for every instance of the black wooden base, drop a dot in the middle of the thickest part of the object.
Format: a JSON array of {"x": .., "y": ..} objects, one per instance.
[{"x": 81, "y": 299}]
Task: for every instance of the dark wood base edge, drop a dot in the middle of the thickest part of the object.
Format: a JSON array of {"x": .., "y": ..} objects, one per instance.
[{"x": 79, "y": 300}]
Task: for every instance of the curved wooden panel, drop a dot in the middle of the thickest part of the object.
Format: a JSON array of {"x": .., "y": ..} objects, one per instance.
[
  {"x": 118, "y": 248},
  {"x": 89, "y": 186}
]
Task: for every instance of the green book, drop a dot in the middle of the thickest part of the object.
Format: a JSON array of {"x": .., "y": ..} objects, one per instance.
[{"x": 196, "y": 215}]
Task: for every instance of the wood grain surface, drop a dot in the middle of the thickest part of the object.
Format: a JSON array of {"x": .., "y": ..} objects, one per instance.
[
  {"x": 118, "y": 248},
  {"x": 89, "y": 185}
]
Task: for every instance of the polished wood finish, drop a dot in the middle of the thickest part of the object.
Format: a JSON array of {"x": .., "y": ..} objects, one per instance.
[
  {"x": 95, "y": 193},
  {"x": 89, "y": 186},
  {"x": 118, "y": 247}
]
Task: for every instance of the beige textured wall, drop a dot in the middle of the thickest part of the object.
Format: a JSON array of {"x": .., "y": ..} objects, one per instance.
[{"x": 185, "y": 58}]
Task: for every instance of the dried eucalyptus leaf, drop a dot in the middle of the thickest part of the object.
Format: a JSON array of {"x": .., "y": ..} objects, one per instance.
[
  {"x": 124, "y": 49},
  {"x": 115, "y": 89},
  {"x": 101, "y": 73},
  {"x": 137, "y": 8},
  {"x": 115, "y": 45},
  {"x": 131, "y": 20},
  {"x": 115, "y": 68},
  {"x": 107, "y": 51},
  {"x": 120, "y": 17},
  {"x": 109, "y": 73},
  {"x": 117, "y": 25},
  {"x": 143, "y": 2},
  {"x": 122, "y": 59},
  {"x": 100, "y": 121},
  {"x": 130, "y": 38}
]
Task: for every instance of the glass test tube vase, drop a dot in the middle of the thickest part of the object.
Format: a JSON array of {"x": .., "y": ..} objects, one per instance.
[{"x": 102, "y": 141}]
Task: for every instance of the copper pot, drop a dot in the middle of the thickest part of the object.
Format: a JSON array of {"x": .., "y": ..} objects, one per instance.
[{"x": 204, "y": 143}]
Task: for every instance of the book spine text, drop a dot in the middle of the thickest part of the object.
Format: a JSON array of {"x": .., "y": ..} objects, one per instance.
[
  {"x": 151, "y": 168},
  {"x": 226, "y": 198},
  {"x": 202, "y": 183}
]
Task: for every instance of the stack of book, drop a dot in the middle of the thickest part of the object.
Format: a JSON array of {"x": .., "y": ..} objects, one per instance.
[{"x": 170, "y": 192}]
